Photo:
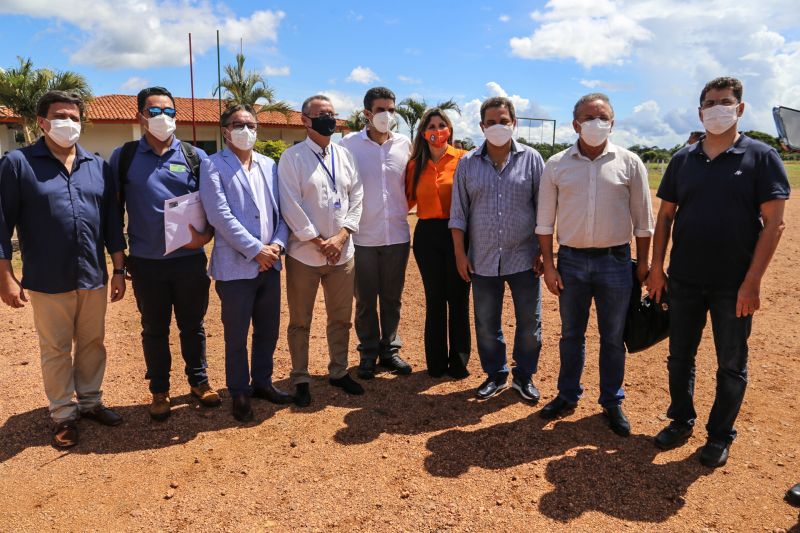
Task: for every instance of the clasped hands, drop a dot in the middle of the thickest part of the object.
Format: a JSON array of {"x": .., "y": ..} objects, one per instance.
[{"x": 332, "y": 248}]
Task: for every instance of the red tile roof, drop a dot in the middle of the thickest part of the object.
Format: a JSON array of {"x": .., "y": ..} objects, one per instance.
[{"x": 121, "y": 108}]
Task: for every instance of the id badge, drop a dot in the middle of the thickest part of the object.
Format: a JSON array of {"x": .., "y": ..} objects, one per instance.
[{"x": 337, "y": 204}]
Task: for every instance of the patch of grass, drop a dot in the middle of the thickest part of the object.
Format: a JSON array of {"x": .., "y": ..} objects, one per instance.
[{"x": 655, "y": 173}]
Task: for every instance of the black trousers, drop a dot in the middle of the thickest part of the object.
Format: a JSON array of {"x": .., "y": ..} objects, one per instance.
[
  {"x": 446, "y": 298},
  {"x": 161, "y": 286}
]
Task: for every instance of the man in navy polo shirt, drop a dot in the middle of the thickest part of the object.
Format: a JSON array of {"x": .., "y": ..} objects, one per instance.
[
  {"x": 158, "y": 170},
  {"x": 62, "y": 202},
  {"x": 725, "y": 196}
]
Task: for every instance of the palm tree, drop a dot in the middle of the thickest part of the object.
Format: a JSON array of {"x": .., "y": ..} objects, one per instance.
[
  {"x": 412, "y": 110},
  {"x": 356, "y": 121},
  {"x": 21, "y": 88},
  {"x": 248, "y": 87}
]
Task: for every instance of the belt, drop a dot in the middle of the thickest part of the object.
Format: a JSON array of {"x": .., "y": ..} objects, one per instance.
[{"x": 596, "y": 251}]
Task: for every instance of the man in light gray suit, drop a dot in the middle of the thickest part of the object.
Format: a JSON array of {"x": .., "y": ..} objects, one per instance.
[{"x": 239, "y": 191}]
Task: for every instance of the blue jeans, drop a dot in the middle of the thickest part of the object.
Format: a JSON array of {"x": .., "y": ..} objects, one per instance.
[
  {"x": 243, "y": 301},
  {"x": 487, "y": 294},
  {"x": 688, "y": 308},
  {"x": 608, "y": 279}
]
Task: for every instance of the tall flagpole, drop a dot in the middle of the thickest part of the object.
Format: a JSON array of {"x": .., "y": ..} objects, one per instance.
[
  {"x": 219, "y": 87},
  {"x": 191, "y": 81}
]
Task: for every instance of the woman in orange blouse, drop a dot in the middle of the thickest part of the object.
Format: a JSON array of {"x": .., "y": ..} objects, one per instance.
[{"x": 429, "y": 184}]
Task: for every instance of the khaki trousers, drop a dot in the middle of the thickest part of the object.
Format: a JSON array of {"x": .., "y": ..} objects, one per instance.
[
  {"x": 63, "y": 319},
  {"x": 301, "y": 292}
]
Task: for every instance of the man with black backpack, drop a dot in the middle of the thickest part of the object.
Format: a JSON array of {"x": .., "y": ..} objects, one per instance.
[{"x": 150, "y": 171}]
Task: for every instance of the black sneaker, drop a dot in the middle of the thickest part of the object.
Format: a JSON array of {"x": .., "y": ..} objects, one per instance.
[
  {"x": 492, "y": 387},
  {"x": 674, "y": 435},
  {"x": 347, "y": 384},
  {"x": 396, "y": 364},
  {"x": 366, "y": 368},
  {"x": 793, "y": 495},
  {"x": 302, "y": 396},
  {"x": 526, "y": 389},
  {"x": 714, "y": 454}
]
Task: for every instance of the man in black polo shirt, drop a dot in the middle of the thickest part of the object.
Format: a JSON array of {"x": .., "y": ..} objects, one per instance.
[{"x": 725, "y": 196}]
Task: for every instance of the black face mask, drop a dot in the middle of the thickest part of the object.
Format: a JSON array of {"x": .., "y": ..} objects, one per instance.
[{"x": 325, "y": 126}]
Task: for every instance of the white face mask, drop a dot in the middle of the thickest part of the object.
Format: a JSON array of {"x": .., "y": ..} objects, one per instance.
[
  {"x": 499, "y": 134},
  {"x": 64, "y": 132},
  {"x": 243, "y": 138},
  {"x": 161, "y": 127},
  {"x": 383, "y": 121},
  {"x": 719, "y": 119},
  {"x": 595, "y": 132}
]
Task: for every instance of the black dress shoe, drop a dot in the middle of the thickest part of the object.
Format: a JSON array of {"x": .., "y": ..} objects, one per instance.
[
  {"x": 366, "y": 368},
  {"x": 793, "y": 495},
  {"x": 347, "y": 384},
  {"x": 557, "y": 408},
  {"x": 103, "y": 415},
  {"x": 492, "y": 387},
  {"x": 272, "y": 394},
  {"x": 674, "y": 435},
  {"x": 395, "y": 364},
  {"x": 242, "y": 411},
  {"x": 65, "y": 434},
  {"x": 458, "y": 372},
  {"x": 526, "y": 389},
  {"x": 302, "y": 396},
  {"x": 617, "y": 420},
  {"x": 714, "y": 454}
]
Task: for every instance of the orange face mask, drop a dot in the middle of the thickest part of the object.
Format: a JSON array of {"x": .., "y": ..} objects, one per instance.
[{"x": 437, "y": 138}]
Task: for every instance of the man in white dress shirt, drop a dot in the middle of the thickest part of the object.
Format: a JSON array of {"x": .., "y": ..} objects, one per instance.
[
  {"x": 321, "y": 202},
  {"x": 382, "y": 242}
]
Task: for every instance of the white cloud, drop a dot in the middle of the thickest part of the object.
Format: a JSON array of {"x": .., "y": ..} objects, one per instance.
[
  {"x": 150, "y": 33},
  {"x": 276, "y": 71},
  {"x": 362, "y": 75},
  {"x": 600, "y": 84},
  {"x": 409, "y": 79},
  {"x": 133, "y": 85},
  {"x": 503, "y": 18},
  {"x": 344, "y": 103},
  {"x": 674, "y": 48}
]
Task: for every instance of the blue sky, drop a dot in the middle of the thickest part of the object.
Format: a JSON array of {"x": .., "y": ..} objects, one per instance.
[{"x": 651, "y": 56}]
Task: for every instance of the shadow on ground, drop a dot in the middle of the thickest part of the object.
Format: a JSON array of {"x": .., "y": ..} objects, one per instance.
[{"x": 590, "y": 468}]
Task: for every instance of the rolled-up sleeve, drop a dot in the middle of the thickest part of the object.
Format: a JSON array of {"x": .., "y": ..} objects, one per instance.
[
  {"x": 459, "y": 204},
  {"x": 641, "y": 203},
  {"x": 9, "y": 206},
  {"x": 548, "y": 201},
  {"x": 291, "y": 201}
]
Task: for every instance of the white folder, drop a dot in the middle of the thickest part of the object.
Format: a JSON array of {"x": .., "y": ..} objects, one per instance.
[{"x": 178, "y": 214}]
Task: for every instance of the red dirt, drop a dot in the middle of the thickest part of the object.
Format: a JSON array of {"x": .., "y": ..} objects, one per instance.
[{"x": 414, "y": 453}]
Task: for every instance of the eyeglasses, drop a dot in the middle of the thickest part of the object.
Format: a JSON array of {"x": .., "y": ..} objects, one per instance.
[
  {"x": 155, "y": 111},
  {"x": 323, "y": 115},
  {"x": 706, "y": 104},
  {"x": 239, "y": 125}
]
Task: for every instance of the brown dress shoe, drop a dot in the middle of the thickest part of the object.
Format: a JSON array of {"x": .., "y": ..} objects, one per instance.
[
  {"x": 207, "y": 396},
  {"x": 160, "y": 406},
  {"x": 65, "y": 434},
  {"x": 103, "y": 415}
]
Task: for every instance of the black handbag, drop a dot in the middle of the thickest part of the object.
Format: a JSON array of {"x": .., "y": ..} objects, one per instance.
[{"x": 647, "y": 322}]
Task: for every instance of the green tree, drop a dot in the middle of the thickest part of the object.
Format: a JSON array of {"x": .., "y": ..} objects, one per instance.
[
  {"x": 411, "y": 110},
  {"x": 765, "y": 138},
  {"x": 249, "y": 88},
  {"x": 22, "y": 86},
  {"x": 356, "y": 121},
  {"x": 271, "y": 149}
]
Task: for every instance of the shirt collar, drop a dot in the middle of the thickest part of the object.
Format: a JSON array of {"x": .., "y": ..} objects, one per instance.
[
  {"x": 739, "y": 147},
  {"x": 609, "y": 148},
  {"x": 40, "y": 149},
  {"x": 144, "y": 146},
  {"x": 317, "y": 149},
  {"x": 516, "y": 147}
]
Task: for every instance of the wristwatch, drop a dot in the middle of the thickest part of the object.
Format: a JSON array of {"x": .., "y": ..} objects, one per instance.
[{"x": 120, "y": 271}]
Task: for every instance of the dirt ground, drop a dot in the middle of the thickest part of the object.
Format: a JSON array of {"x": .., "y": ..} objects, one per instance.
[{"x": 413, "y": 453}]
